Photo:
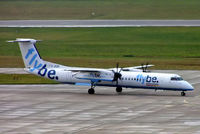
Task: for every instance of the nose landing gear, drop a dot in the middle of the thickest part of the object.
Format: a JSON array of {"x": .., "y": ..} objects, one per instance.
[{"x": 182, "y": 93}]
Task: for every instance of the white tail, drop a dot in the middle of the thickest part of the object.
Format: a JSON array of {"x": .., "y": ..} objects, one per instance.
[{"x": 31, "y": 57}]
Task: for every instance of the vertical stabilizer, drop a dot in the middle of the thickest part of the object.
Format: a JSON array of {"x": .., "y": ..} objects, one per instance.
[{"x": 30, "y": 55}]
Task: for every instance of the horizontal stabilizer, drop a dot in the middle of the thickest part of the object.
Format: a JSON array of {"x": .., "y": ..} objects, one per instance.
[{"x": 24, "y": 40}]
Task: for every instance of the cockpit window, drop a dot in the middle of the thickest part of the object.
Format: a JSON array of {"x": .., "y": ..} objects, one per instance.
[{"x": 176, "y": 78}]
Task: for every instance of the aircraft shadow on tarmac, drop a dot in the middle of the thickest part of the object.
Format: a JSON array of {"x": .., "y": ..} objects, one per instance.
[{"x": 102, "y": 93}]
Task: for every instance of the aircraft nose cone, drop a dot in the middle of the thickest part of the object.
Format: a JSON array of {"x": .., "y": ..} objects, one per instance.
[{"x": 189, "y": 86}]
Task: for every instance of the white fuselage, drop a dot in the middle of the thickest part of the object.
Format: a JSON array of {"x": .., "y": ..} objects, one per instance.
[{"x": 129, "y": 79}]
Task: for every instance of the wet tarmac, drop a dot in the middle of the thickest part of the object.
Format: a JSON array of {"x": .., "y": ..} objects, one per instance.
[{"x": 59, "y": 108}]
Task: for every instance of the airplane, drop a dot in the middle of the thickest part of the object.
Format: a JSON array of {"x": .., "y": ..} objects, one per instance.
[{"x": 129, "y": 77}]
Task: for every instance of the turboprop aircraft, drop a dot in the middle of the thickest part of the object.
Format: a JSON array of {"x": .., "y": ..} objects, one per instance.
[{"x": 129, "y": 77}]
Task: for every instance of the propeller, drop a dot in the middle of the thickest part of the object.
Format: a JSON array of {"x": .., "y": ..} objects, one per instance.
[
  {"x": 144, "y": 67},
  {"x": 117, "y": 74}
]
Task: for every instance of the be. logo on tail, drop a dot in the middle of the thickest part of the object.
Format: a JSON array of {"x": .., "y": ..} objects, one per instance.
[
  {"x": 50, "y": 74},
  {"x": 43, "y": 71}
]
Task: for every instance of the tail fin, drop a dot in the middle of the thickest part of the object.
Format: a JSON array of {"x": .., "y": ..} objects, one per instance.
[{"x": 31, "y": 57}]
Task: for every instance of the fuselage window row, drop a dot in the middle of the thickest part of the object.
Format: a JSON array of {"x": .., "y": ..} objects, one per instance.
[{"x": 128, "y": 78}]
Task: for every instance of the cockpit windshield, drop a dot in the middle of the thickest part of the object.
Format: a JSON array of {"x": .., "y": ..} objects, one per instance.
[{"x": 176, "y": 79}]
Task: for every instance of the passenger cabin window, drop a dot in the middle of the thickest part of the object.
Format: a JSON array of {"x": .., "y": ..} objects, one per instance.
[{"x": 176, "y": 79}]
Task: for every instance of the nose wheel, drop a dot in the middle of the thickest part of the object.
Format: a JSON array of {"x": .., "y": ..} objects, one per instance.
[{"x": 182, "y": 93}]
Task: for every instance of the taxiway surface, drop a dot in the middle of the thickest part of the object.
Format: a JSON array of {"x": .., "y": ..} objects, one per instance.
[
  {"x": 67, "y": 109},
  {"x": 97, "y": 23}
]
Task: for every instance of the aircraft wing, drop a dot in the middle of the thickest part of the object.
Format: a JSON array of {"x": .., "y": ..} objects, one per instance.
[
  {"x": 139, "y": 67},
  {"x": 95, "y": 75},
  {"x": 134, "y": 69}
]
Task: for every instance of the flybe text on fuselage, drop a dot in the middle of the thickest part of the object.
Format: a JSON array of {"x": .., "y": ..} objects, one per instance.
[{"x": 147, "y": 80}]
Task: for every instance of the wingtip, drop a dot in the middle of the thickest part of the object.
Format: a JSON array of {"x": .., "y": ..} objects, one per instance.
[{"x": 11, "y": 41}]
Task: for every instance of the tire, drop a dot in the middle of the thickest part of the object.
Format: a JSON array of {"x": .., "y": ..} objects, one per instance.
[
  {"x": 119, "y": 89},
  {"x": 91, "y": 91},
  {"x": 183, "y": 93}
]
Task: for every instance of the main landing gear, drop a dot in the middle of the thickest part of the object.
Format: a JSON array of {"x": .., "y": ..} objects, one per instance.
[
  {"x": 91, "y": 90},
  {"x": 118, "y": 89},
  {"x": 182, "y": 93}
]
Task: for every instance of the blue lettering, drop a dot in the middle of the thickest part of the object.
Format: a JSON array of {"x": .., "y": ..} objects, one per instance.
[
  {"x": 33, "y": 58},
  {"x": 43, "y": 71},
  {"x": 138, "y": 77},
  {"x": 30, "y": 51},
  {"x": 151, "y": 79},
  {"x": 154, "y": 79},
  {"x": 148, "y": 79},
  {"x": 36, "y": 66},
  {"x": 141, "y": 78},
  {"x": 51, "y": 74}
]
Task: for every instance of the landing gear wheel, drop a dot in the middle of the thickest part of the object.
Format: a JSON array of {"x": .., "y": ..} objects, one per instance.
[
  {"x": 91, "y": 91},
  {"x": 119, "y": 89},
  {"x": 182, "y": 93}
]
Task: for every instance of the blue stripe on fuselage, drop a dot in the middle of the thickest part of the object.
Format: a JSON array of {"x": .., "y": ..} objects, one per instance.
[
  {"x": 154, "y": 88},
  {"x": 157, "y": 88}
]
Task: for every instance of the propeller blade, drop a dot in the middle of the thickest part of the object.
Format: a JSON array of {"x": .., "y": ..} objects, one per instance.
[
  {"x": 117, "y": 74},
  {"x": 117, "y": 66},
  {"x": 146, "y": 66},
  {"x": 142, "y": 67},
  {"x": 120, "y": 70}
]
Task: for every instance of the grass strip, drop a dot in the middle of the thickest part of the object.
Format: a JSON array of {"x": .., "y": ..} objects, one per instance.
[
  {"x": 99, "y": 9},
  {"x": 23, "y": 79},
  {"x": 166, "y": 47}
]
